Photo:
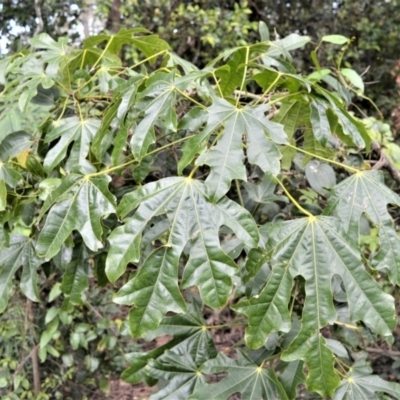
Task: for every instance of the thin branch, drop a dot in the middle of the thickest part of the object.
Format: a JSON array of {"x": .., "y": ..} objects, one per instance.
[{"x": 385, "y": 163}]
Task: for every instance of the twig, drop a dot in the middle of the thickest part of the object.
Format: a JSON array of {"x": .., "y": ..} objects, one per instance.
[
  {"x": 23, "y": 362},
  {"x": 385, "y": 163},
  {"x": 386, "y": 352}
]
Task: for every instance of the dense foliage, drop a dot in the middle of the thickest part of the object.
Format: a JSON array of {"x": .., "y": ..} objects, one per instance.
[{"x": 242, "y": 185}]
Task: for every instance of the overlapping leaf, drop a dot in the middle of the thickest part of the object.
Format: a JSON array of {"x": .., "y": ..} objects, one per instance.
[
  {"x": 366, "y": 193},
  {"x": 249, "y": 379},
  {"x": 226, "y": 158},
  {"x": 81, "y": 203},
  {"x": 193, "y": 219}
]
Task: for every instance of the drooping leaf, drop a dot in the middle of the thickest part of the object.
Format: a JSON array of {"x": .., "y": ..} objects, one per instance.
[
  {"x": 251, "y": 380},
  {"x": 80, "y": 208},
  {"x": 76, "y": 277},
  {"x": 161, "y": 92},
  {"x": 367, "y": 194},
  {"x": 19, "y": 252}
]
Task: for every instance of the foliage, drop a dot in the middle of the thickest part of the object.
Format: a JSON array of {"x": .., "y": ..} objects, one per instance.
[{"x": 181, "y": 186}]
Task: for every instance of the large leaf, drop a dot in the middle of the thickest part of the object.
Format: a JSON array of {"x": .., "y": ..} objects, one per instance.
[
  {"x": 366, "y": 193},
  {"x": 19, "y": 252},
  {"x": 315, "y": 248},
  {"x": 226, "y": 158},
  {"x": 192, "y": 219},
  {"x": 80, "y": 208},
  {"x": 249, "y": 379}
]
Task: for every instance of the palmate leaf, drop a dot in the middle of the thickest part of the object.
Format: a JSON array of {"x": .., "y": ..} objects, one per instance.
[
  {"x": 19, "y": 252},
  {"x": 361, "y": 384},
  {"x": 193, "y": 219},
  {"x": 245, "y": 377},
  {"x": 190, "y": 335},
  {"x": 81, "y": 203},
  {"x": 53, "y": 53},
  {"x": 314, "y": 248},
  {"x": 182, "y": 372},
  {"x": 366, "y": 193},
  {"x": 226, "y": 158},
  {"x": 69, "y": 130}
]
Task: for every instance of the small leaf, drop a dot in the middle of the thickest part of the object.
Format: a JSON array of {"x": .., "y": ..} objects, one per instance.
[
  {"x": 320, "y": 176},
  {"x": 335, "y": 39},
  {"x": 264, "y": 32},
  {"x": 353, "y": 77}
]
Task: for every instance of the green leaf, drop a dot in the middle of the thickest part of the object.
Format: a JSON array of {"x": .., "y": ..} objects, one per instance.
[
  {"x": 54, "y": 52},
  {"x": 320, "y": 176},
  {"x": 360, "y": 384},
  {"x": 263, "y": 192},
  {"x": 76, "y": 277},
  {"x": 335, "y": 39},
  {"x": 245, "y": 377},
  {"x": 80, "y": 208},
  {"x": 69, "y": 130},
  {"x": 367, "y": 194},
  {"x": 181, "y": 372},
  {"x": 353, "y": 78},
  {"x": 189, "y": 335},
  {"x": 19, "y": 252},
  {"x": 160, "y": 95},
  {"x": 264, "y": 32},
  {"x": 208, "y": 267},
  {"x": 153, "y": 291},
  {"x": 291, "y": 377},
  {"x": 226, "y": 158},
  {"x": 231, "y": 74},
  {"x": 268, "y": 312},
  {"x": 292, "y": 115},
  {"x": 316, "y": 249},
  {"x": 319, "y": 122},
  {"x": 14, "y": 143}
]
